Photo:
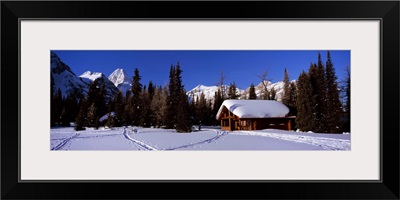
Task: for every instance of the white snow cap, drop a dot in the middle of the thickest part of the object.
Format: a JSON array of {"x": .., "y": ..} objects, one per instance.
[
  {"x": 255, "y": 108},
  {"x": 91, "y": 75},
  {"x": 119, "y": 77}
]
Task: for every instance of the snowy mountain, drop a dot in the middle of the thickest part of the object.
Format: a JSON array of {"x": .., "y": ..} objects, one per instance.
[
  {"x": 64, "y": 79},
  {"x": 209, "y": 91},
  {"x": 278, "y": 87},
  {"x": 121, "y": 80},
  {"x": 89, "y": 77}
]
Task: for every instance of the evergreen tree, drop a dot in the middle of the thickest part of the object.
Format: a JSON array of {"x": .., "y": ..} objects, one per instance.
[
  {"x": 92, "y": 115},
  {"x": 64, "y": 117},
  {"x": 128, "y": 109},
  {"x": 346, "y": 125},
  {"x": 70, "y": 110},
  {"x": 293, "y": 99},
  {"x": 119, "y": 109},
  {"x": 52, "y": 106},
  {"x": 178, "y": 115},
  {"x": 172, "y": 100},
  {"x": 273, "y": 94},
  {"x": 150, "y": 96},
  {"x": 217, "y": 104},
  {"x": 305, "y": 119},
  {"x": 201, "y": 109},
  {"x": 232, "y": 93},
  {"x": 145, "y": 119},
  {"x": 183, "y": 122},
  {"x": 317, "y": 97},
  {"x": 252, "y": 92},
  {"x": 58, "y": 106},
  {"x": 101, "y": 101},
  {"x": 286, "y": 89},
  {"x": 96, "y": 98},
  {"x": 80, "y": 119},
  {"x": 321, "y": 98},
  {"x": 136, "y": 98},
  {"x": 159, "y": 106},
  {"x": 210, "y": 116},
  {"x": 97, "y": 123},
  {"x": 334, "y": 107}
]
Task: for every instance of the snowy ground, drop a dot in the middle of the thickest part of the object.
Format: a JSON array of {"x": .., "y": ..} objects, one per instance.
[{"x": 206, "y": 139}]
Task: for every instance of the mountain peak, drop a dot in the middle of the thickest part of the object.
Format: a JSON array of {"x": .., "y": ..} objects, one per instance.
[
  {"x": 91, "y": 75},
  {"x": 119, "y": 76}
]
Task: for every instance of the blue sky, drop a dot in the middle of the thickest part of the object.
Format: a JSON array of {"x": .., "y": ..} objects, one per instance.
[{"x": 203, "y": 66}]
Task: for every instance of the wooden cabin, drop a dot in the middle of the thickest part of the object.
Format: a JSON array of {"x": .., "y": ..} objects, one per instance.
[{"x": 254, "y": 115}]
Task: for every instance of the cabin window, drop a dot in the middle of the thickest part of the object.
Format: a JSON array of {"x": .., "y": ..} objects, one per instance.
[{"x": 245, "y": 123}]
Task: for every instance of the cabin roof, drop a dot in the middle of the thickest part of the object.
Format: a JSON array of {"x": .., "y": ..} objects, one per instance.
[{"x": 254, "y": 108}]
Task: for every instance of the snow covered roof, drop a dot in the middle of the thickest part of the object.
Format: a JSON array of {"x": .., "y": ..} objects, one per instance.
[
  {"x": 254, "y": 108},
  {"x": 112, "y": 114}
]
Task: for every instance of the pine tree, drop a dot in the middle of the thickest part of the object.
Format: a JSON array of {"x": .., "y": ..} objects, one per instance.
[
  {"x": 171, "y": 100},
  {"x": 293, "y": 99},
  {"x": 334, "y": 107},
  {"x": 70, "y": 110},
  {"x": 273, "y": 94},
  {"x": 97, "y": 123},
  {"x": 159, "y": 106},
  {"x": 183, "y": 122},
  {"x": 101, "y": 101},
  {"x": 80, "y": 119},
  {"x": 347, "y": 97},
  {"x": 119, "y": 109},
  {"x": 305, "y": 119},
  {"x": 286, "y": 89},
  {"x": 217, "y": 104},
  {"x": 201, "y": 108},
  {"x": 58, "y": 106},
  {"x": 150, "y": 96},
  {"x": 52, "y": 106},
  {"x": 64, "y": 117},
  {"x": 128, "y": 109},
  {"x": 317, "y": 97},
  {"x": 252, "y": 92},
  {"x": 178, "y": 115},
  {"x": 92, "y": 115},
  {"x": 232, "y": 93},
  {"x": 136, "y": 98},
  {"x": 145, "y": 119},
  {"x": 322, "y": 111}
]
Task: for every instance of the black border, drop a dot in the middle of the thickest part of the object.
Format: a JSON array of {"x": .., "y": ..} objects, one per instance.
[{"x": 386, "y": 11}]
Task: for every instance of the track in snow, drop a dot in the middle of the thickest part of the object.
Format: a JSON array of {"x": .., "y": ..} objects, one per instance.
[
  {"x": 219, "y": 134},
  {"x": 64, "y": 142},
  {"x": 139, "y": 143},
  {"x": 325, "y": 143}
]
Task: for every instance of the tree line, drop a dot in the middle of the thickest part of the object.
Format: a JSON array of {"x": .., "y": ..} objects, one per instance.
[
  {"x": 319, "y": 108},
  {"x": 314, "y": 100}
]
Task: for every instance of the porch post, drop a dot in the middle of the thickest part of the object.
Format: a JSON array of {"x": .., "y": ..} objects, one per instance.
[{"x": 229, "y": 117}]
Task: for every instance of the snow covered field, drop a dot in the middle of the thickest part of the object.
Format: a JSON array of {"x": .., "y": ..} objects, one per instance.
[{"x": 207, "y": 139}]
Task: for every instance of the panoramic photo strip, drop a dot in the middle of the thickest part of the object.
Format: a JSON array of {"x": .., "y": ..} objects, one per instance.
[{"x": 181, "y": 100}]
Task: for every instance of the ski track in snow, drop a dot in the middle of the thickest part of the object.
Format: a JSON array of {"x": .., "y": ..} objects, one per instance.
[
  {"x": 139, "y": 143},
  {"x": 64, "y": 142},
  {"x": 219, "y": 134},
  {"x": 145, "y": 146},
  {"x": 325, "y": 143}
]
